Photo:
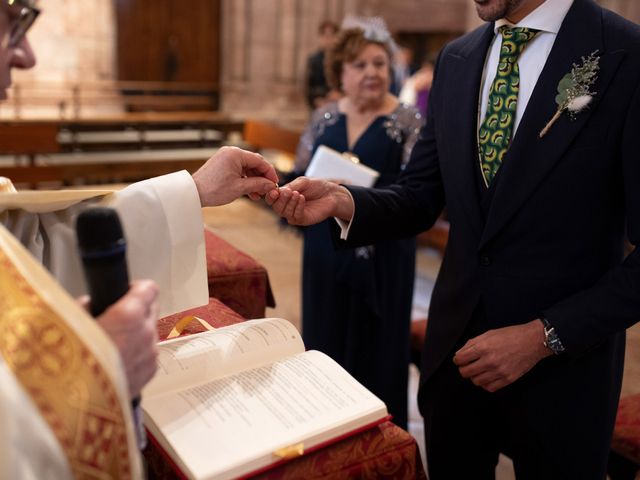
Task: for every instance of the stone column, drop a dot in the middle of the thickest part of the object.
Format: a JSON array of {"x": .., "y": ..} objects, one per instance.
[{"x": 266, "y": 44}]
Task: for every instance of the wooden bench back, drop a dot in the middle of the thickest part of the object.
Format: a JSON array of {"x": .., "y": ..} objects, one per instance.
[
  {"x": 75, "y": 99},
  {"x": 28, "y": 139},
  {"x": 96, "y": 172},
  {"x": 267, "y": 135}
]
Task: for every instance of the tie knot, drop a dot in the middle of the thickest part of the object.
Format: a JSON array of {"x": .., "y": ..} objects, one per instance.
[
  {"x": 514, "y": 40},
  {"x": 517, "y": 35}
]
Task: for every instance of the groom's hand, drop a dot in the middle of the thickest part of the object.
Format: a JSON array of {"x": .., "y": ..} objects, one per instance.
[
  {"x": 307, "y": 201},
  {"x": 499, "y": 357}
]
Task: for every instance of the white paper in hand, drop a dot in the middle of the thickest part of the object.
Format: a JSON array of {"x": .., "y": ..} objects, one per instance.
[{"x": 330, "y": 164}]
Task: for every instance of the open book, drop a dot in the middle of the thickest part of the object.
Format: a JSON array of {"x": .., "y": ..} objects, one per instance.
[{"x": 238, "y": 399}]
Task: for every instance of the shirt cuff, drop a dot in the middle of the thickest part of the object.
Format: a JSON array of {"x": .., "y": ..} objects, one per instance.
[
  {"x": 346, "y": 226},
  {"x": 162, "y": 220}
]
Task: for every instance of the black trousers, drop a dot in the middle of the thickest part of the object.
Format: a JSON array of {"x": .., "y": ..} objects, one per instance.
[{"x": 555, "y": 422}]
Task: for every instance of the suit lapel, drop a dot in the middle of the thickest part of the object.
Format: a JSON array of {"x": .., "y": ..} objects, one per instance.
[
  {"x": 461, "y": 121},
  {"x": 531, "y": 158}
]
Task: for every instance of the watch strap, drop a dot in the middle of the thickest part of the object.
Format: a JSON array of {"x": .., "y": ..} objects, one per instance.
[{"x": 551, "y": 339}]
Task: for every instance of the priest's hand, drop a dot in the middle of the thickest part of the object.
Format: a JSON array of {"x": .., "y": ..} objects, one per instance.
[
  {"x": 131, "y": 325},
  {"x": 307, "y": 201},
  {"x": 499, "y": 357},
  {"x": 232, "y": 173}
]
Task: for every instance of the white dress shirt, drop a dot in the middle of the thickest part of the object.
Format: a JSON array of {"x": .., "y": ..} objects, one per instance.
[{"x": 547, "y": 18}]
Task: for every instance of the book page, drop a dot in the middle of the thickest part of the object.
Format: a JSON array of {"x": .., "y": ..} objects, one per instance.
[
  {"x": 232, "y": 425},
  {"x": 205, "y": 356}
]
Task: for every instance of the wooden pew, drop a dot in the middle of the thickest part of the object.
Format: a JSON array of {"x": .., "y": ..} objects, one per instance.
[
  {"x": 155, "y": 130},
  {"x": 436, "y": 237},
  {"x": 263, "y": 135},
  {"x": 28, "y": 139},
  {"x": 145, "y": 145},
  {"x": 139, "y": 120},
  {"x": 77, "y": 98},
  {"x": 277, "y": 144},
  {"x": 97, "y": 172}
]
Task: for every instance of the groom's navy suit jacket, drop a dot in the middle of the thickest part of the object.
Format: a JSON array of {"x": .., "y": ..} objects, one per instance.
[{"x": 551, "y": 242}]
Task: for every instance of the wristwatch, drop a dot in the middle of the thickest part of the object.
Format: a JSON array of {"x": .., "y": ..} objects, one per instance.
[{"x": 551, "y": 339}]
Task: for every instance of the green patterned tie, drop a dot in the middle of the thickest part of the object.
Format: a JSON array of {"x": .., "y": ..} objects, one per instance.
[{"x": 496, "y": 130}]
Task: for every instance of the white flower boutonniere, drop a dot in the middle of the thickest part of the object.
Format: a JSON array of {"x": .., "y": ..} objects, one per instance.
[{"x": 574, "y": 90}]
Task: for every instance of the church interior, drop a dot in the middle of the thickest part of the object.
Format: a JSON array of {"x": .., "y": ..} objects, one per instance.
[{"x": 125, "y": 90}]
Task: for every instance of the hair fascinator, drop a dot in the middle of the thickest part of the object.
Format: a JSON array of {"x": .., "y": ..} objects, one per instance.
[
  {"x": 23, "y": 3},
  {"x": 374, "y": 29}
]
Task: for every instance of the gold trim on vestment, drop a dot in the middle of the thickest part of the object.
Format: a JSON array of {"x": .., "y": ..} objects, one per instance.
[{"x": 71, "y": 389}]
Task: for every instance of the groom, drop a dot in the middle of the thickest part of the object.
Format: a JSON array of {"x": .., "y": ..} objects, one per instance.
[{"x": 525, "y": 343}]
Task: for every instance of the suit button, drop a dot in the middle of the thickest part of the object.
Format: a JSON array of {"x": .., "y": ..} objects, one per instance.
[{"x": 484, "y": 260}]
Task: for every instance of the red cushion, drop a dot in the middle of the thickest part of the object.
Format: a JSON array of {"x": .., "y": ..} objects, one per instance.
[
  {"x": 236, "y": 279},
  {"x": 626, "y": 435},
  {"x": 215, "y": 313},
  {"x": 384, "y": 452}
]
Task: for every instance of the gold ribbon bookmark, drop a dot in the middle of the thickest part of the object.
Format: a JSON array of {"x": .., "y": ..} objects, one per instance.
[
  {"x": 290, "y": 452},
  {"x": 179, "y": 327}
]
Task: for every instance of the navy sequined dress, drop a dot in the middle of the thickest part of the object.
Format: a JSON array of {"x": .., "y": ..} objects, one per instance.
[{"x": 356, "y": 303}]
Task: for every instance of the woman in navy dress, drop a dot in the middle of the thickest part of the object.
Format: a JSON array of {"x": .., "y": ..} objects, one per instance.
[{"x": 356, "y": 303}]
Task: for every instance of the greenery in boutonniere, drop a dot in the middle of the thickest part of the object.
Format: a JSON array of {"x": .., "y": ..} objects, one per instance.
[{"x": 574, "y": 90}]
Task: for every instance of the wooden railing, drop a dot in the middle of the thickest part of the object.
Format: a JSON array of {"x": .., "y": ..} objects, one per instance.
[
  {"x": 278, "y": 144},
  {"x": 93, "y": 173},
  {"x": 129, "y": 146},
  {"x": 262, "y": 135},
  {"x": 436, "y": 237},
  {"x": 77, "y": 99}
]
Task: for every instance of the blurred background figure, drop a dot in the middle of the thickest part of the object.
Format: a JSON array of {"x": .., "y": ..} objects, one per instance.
[
  {"x": 318, "y": 91},
  {"x": 403, "y": 59},
  {"x": 172, "y": 59},
  {"x": 415, "y": 90},
  {"x": 357, "y": 302}
]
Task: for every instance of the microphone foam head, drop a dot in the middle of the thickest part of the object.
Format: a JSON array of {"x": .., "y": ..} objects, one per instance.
[{"x": 98, "y": 228}]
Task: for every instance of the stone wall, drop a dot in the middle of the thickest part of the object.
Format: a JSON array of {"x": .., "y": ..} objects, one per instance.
[
  {"x": 74, "y": 41},
  {"x": 627, "y": 8},
  {"x": 266, "y": 44},
  {"x": 265, "y": 47}
]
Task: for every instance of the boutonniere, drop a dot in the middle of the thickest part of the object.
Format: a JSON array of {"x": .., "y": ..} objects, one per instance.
[{"x": 574, "y": 90}]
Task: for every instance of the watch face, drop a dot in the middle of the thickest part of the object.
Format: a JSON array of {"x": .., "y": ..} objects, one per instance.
[{"x": 553, "y": 342}]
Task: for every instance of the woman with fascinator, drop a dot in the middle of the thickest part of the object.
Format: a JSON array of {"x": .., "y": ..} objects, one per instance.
[{"x": 356, "y": 304}]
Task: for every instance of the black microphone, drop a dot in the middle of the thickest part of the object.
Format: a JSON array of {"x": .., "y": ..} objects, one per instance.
[
  {"x": 103, "y": 252},
  {"x": 102, "y": 249}
]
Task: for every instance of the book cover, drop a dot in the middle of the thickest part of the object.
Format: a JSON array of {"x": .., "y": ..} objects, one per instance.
[{"x": 332, "y": 165}]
